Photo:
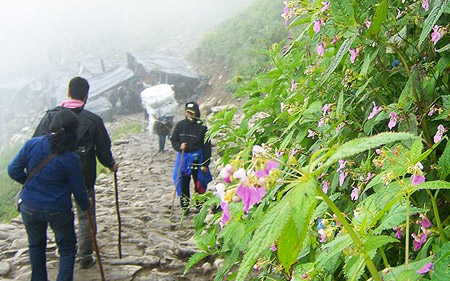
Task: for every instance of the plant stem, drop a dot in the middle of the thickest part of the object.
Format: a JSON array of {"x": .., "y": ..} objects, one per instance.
[
  {"x": 436, "y": 215},
  {"x": 407, "y": 233},
  {"x": 370, "y": 265}
]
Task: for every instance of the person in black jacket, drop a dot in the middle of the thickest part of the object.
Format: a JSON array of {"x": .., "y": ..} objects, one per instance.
[
  {"x": 194, "y": 152},
  {"x": 93, "y": 141}
]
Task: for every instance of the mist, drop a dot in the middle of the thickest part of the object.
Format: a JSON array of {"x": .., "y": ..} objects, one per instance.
[{"x": 38, "y": 35}]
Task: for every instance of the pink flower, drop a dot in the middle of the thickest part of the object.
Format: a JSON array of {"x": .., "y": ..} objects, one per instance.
[
  {"x": 320, "y": 49},
  {"x": 325, "y": 185},
  {"x": 323, "y": 237},
  {"x": 326, "y": 6},
  {"x": 325, "y": 109},
  {"x": 375, "y": 111},
  {"x": 439, "y": 134},
  {"x": 425, "y": 5},
  {"x": 354, "y": 53},
  {"x": 293, "y": 85},
  {"x": 335, "y": 39},
  {"x": 398, "y": 232},
  {"x": 419, "y": 240},
  {"x": 355, "y": 194},
  {"x": 278, "y": 154},
  {"x": 317, "y": 25},
  {"x": 425, "y": 223},
  {"x": 257, "y": 149},
  {"x": 271, "y": 165},
  {"x": 432, "y": 111},
  {"x": 226, "y": 212},
  {"x": 437, "y": 34},
  {"x": 425, "y": 268},
  {"x": 369, "y": 177},
  {"x": 342, "y": 177},
  {"x": 321, "y": 122},
  {"x": 393, "y": 120},
  {"x": 342, "y": 164},
  {"x": 240, "y": 174},
  {"x": 250, "y": 195},
  {"x": 311, "y": 133},
  {"x": 282, "y": 107},
  {"x": 273, "y": 248},
  {"x": 340, "y": 126},
  {"x": 286, "y": 13},
  {"x": 417, "y": 179},
  {"x": 226, "y": 173},
  {"x": 368, "y": 23},
  {"x": 399, "y": 14}
]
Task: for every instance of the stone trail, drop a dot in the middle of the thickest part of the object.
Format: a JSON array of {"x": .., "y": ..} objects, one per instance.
[{"x": 154, "y": 247}]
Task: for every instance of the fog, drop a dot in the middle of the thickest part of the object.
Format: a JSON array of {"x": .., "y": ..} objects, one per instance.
[{"x": 37, "y": 35}]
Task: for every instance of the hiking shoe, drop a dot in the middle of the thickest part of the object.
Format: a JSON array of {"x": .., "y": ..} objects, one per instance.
[{"x": 87, "y": 262}]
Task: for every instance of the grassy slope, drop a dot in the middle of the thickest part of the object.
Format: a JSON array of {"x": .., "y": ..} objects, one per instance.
[{"x": 239, "y": 44}]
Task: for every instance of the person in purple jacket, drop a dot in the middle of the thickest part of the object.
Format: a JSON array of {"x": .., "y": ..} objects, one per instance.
[{"x": 46, "y": 196}]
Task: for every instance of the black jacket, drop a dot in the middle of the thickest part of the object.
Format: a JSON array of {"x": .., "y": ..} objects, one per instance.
[
  {"x": 93, "y": 141},
  {"x": 193, "y": 134}
]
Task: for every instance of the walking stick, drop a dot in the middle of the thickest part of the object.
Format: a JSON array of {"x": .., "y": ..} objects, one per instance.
[
  {"x": 94, "y": 241},
  {"x": 177, "y": 181},
  {"x": 119, "y": 223}
]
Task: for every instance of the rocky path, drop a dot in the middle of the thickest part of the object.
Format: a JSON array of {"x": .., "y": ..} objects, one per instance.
[{"x": 154, "y": 246}]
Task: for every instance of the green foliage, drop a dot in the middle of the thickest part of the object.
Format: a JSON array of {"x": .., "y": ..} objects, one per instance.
[
  {"x": 360, "y": 144},
  {"x": 129, "y": 128},
  {"x": 8, "y": 187},
  {"x": 239, "y": 43}
]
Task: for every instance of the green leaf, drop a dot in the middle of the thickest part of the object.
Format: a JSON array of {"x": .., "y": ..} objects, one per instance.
[
  {"x": 394, "y": 217},
  {"x": 368, "y": 58},
  {"x": 288, "y": 245},
  {"x": 443, "y": 49},
  {"x": 338, "y": 57},
  {"x": 375, "y": 242},
  {"x": 342, "y": 11},
  {"x": 395, "y": 272},
  {"x": 379, "y": 17},
  {"x": 416, "y": 151},
  {"x": 444, "y": 161},
  {"x": 194, "y": 259},
  {"x": 433, "y": 16},
  {"x": 441, "y": 266},
  {"x": 357, "y": 146},
  {"x": 269, "y": 230},
  {"x": 333, "y": 248},
  {"x": 432, "y": 185}
]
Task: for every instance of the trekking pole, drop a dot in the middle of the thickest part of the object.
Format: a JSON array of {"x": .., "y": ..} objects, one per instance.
[
  {"x": 94, "y": 242},
  {"x": 177, "y": 181},
  {"x": 119, "y": 223}
]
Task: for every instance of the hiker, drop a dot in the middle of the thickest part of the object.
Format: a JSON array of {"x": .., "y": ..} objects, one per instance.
[
  {"x": 46, "y": 194},
  {"x": 194, "y": 152},
  {"x": 162, "y": 127},
  {"x": 93, "y": 141}
]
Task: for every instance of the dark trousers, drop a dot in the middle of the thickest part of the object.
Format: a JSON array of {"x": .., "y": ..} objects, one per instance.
[
  {"x": 36, "y": 222},
  {"x": 162, "y": 142},
  {"x": 185, "y": 189}
]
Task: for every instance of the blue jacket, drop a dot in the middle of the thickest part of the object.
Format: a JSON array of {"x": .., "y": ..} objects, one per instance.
[{"x": 51, "y": 187}]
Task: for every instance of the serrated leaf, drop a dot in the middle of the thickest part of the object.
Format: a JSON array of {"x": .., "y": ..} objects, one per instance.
[
  {"x": 441, "y": 266},
  {"x": 432, "y": 185},
  {"x": 379, "y": 17},
  {"x": 194, "y": 259},
  {"x": 444, "y": 161},
  {"x": 396, "y": 271},
  {"x": 288, "y": 245},
  {"x": 333, "y": 248},
  {"x": 375, "y": 242},
  {"x": 342, "y": 11},
  {"x": 338, "y": 57},
  {"x": 433, "y": 16},
  {"x": 359, "y": 145},
  {"x": 269, "y": 230},
  {"x": 415, "y": 151},
  {"x": 395, "y": 217}
]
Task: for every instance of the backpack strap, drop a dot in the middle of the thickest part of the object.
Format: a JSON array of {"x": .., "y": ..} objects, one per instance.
[{"x": 40, "y": 166}]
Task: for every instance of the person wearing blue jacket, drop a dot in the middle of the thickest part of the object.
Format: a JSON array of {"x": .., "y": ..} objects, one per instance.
[{"x": 46, "y": 196}]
